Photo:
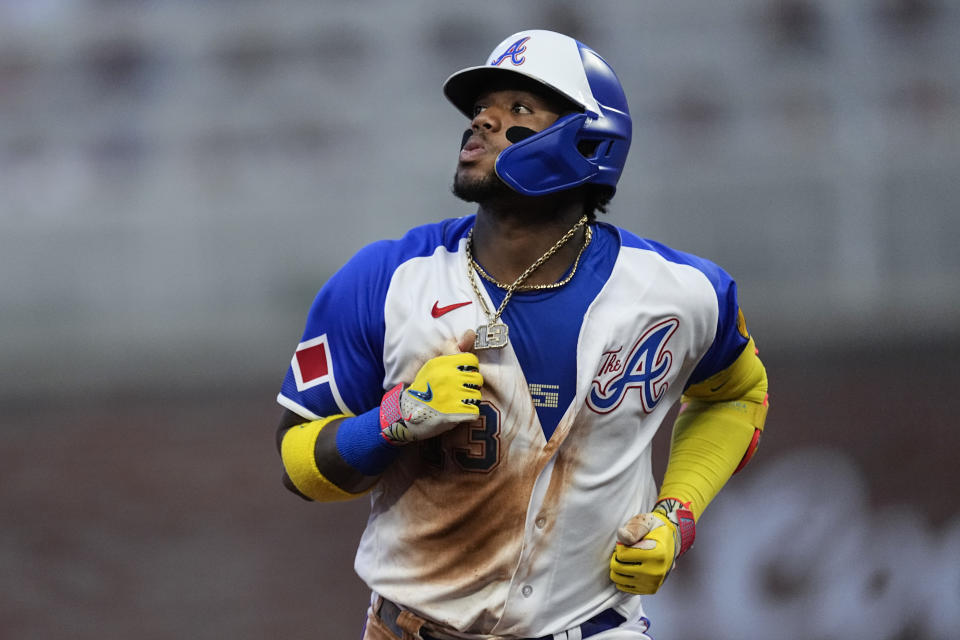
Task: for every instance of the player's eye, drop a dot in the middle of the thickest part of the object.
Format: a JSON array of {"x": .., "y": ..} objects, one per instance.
[
  {"x": 519, "y": 107},
  {"x": 477, "y": 108}
]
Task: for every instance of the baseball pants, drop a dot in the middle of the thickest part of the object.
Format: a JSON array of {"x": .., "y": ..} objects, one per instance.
[{"x": 387, "y": 621}]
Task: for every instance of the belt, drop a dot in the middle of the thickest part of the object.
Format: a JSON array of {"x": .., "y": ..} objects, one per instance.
[{"x": 390, "y": 612}]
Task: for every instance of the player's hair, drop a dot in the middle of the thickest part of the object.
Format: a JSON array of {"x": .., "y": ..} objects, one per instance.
[{"x": 596, "y": 199}]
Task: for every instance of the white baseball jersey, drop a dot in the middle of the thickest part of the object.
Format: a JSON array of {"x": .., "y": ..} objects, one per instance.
[{"x": 506, "y": 526}]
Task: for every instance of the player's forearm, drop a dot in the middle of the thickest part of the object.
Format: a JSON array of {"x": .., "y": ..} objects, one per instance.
[
  {"x": 707, "y": 446},
  {"x": 339, "y": 457},
  {"x": 335, "y": 458},
  {"x": 717, "y": 431}
]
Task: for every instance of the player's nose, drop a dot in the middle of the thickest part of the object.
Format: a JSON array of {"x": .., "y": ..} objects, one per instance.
[{"x": 488, "y": 119}]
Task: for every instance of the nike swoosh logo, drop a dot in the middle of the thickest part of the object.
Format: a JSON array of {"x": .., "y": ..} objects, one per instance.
[
  {"x": 426, "y": 396},
  {"x": 438, "y": 311}
]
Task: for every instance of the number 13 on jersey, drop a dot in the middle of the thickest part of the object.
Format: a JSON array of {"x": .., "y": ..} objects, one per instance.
[{"x": 474, "y": 447}]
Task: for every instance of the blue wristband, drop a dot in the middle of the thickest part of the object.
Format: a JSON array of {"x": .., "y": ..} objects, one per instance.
[{"x": 362, "y": 446}]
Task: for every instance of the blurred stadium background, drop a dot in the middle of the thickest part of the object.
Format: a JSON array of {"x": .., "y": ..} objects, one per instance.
[{"x": 177, "y": 178}]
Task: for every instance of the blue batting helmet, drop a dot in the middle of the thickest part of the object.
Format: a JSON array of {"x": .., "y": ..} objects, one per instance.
[{"x": 588, "y": 147}]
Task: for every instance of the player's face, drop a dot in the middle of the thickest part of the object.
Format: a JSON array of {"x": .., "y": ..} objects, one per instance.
[{"x": 494, "y": 113}]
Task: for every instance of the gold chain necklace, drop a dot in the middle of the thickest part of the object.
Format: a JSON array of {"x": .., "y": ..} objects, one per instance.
[
  {"x": 539, "y": 287},
  {"x": 494, "y": 333}
]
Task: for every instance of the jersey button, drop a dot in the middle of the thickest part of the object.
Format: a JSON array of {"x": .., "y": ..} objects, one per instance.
[
  {"x": 541, "y": 522},
  {"x": 527, "y": 591}
]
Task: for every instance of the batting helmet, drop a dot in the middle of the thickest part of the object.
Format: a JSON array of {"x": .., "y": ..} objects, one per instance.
[{"x": 579, "y": 148}]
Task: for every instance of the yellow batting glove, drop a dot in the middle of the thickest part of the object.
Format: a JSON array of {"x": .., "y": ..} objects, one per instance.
[
  {"x": 445, "y": 393},
  {"x": 648, "y": 546}
]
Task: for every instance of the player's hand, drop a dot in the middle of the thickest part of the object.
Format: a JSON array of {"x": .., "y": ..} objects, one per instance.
[
  {"x": 648, "y": 546},
  {"x": 445, "y": 393}
]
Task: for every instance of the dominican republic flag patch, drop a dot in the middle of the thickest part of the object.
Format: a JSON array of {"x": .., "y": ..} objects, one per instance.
[{"x": 311, "y": 363}]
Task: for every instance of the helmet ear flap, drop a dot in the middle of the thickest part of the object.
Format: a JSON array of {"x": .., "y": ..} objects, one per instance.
[{"x": 547, "y": 161}]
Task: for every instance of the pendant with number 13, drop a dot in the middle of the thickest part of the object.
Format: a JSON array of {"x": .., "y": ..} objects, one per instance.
[{"x": 491, "y": 336}]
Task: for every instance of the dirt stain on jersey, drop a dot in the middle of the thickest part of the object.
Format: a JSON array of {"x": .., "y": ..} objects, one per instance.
[
  {"x": 567, "y": 445},
  {"x": 465, "y": 528}
]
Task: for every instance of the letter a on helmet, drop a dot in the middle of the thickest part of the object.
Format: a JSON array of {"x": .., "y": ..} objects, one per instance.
[{"x": 587, "y": 146}]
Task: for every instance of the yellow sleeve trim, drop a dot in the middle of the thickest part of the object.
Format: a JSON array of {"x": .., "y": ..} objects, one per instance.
[
  {"x": 744, "y": 380},
  {"x": 752, "y": 413},
  {"x": 299, "y": 459}
]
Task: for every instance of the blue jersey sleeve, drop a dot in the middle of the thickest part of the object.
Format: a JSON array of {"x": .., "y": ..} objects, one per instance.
[
  {"x": 731, "y": 335},
  {"x": 338, "y": 365}
]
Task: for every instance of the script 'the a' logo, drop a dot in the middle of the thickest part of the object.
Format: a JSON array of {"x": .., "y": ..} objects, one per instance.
[
  {"x": 514, "y": 52},
  {"x": 644, "y": 368}
]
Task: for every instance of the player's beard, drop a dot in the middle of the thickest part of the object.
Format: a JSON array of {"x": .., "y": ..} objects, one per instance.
[{"x": 482, "y": 189}]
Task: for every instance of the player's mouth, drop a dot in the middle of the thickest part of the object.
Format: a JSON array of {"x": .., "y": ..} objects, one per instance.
[{"x": 473, "y": 150}]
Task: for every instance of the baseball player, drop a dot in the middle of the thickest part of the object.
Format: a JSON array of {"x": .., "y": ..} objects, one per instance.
[{"x": 493, "y": 382}]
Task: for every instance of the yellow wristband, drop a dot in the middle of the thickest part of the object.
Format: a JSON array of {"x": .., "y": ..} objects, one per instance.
[{"x": 299, "y": 459}]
